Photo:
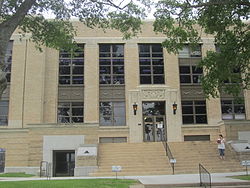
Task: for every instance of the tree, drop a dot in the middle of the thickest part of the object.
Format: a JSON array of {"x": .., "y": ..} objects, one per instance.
[
  {"x": 227, "y": 21},
  {"x": 27, "y": 15}
]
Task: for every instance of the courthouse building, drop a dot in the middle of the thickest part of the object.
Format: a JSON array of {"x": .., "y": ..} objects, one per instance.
[{"x": 59, "y": 106}]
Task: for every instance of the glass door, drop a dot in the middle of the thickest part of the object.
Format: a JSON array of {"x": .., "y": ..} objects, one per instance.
[{"x": 154, "y": 128}]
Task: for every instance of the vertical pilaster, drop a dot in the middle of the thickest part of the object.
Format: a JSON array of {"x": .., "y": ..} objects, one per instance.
[
  {"x": 51, "y": 86},
  {"x": 34, "y": 75},
  {"x": 91, "y": 83},
  {"x": 213, "y": 104}
]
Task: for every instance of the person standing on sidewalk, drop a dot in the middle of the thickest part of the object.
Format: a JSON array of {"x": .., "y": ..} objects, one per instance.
[{"x": 221, "y": 146}]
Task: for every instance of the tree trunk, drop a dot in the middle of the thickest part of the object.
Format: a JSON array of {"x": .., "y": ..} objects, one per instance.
[{"x": 7, "y": 28}]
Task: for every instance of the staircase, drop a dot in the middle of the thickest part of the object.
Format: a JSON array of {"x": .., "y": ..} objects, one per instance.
[
  {"x": 150, "y": 158},
  {"x": 189, "y": 154},
  {"x": 134, "y": 158}
]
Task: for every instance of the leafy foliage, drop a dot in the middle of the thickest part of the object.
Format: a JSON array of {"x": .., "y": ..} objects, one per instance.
[{"x": 184, "y": 21}]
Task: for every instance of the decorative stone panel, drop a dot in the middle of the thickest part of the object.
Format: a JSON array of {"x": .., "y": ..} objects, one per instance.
[
  {"x": 191, "y": 92},
  {"x": 71, "y": 93},
  {"x": 112, "y": 92},
  {"x": 153, "y": 94}
]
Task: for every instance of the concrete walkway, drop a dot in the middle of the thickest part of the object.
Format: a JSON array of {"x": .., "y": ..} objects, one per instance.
[{"x": 154, "y": 180}]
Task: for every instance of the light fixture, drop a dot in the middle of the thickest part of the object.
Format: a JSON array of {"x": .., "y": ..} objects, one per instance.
[
  {"x": 174, "y": 108},
  {"x": 135, "y": 108}
]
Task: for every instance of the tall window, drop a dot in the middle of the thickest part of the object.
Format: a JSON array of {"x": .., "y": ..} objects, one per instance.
[
  {"x": 111, "y": 60},
  {"x": 232, "y": 109},
  {"x": 194, "y": 112},
  {"x": 187, "y": 51},
  {"x": 190, "y": 74},
  {"x": 71, "y": 66},
  {"x": 151, "y": 64},
  {"x": 112, "y": 114},
  {"x": 70, "y": 112},
  {"x": 4, "y": 109},
  {"x": 8, "y": 61}
]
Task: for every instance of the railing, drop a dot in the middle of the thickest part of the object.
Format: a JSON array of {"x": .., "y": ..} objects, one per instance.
[
  {"x": 45, "y": 169},
  {"x": 168, "y": 152},
  {"x": 205, "y": 177}
]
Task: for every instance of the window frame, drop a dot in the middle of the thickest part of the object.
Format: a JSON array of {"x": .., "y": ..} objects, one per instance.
[
  {"x": 191, "y": 74},
  {"x": 6, "y": 116},
  {"x": 112, "y": 113},
  {"x": 233, "y": 114},
  {"x": 71, "y": 57},
  {"x": 194, "y": 105},
  {"x": 8, "y": 61},
  {"x": 189, "y": 51},
  {"x": 116, "y": 61},
  {"x": 151, "y": 57},
  {"x": 70, "y": 115}
]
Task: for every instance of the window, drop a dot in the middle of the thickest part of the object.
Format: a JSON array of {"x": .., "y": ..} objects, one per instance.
[
  {"x": 194, "y": 112},
  {"x": 151, "y": 64},
  {"x": 111, "y": 64},
  {"x": 71, "y": 66},
  {"x": 4, "y": 109},
  {"x": 190, "y": 74},
  {"x": 70, "y": 112},
  {"x": 112, "y": 114},
  {"x": 188, "y": 51},
  {"x": 8, "y": 61},
  {"x": 232, "y": 109}
]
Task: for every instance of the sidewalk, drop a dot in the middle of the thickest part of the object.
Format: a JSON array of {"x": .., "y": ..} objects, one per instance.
[{"x": 154, "y": 180}]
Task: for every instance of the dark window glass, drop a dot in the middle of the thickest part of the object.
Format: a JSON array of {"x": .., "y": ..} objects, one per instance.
[
  {"x": 151, "y": 64},
  {"x": 112, "y": 114},
  {"x": 71, "y": 66},
  {"x": 194, "y": 112},
  {"x": 190, "y": 74},
  {"x": 111, "y": 64},
  {"x": 187, "y": 109},
  {"x": 184, "y": 69},
  {"x": 145, "y": 79},
  {"x": 185, "y": 79}
]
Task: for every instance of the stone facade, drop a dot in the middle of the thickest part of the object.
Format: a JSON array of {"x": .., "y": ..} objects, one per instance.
[{"x": 34, "y": 93}]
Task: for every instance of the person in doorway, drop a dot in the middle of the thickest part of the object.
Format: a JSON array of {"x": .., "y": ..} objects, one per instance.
[{"x": 221, "y": 146}]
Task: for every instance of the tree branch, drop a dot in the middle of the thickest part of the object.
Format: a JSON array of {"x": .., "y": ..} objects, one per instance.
[
  {"x": 21, "y": 12},
  {"x": 246, "y": 3}
]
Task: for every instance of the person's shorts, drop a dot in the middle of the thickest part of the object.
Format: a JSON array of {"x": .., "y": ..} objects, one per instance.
[{"x": 222, "y": 152}]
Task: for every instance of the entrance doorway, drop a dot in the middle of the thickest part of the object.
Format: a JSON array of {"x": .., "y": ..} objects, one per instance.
[
  {"x": 2, "y": 160},
  {"x": 154, "y": 123},
  {"x": 63, "y": 163},
  {"x": 154, "y": 128}
]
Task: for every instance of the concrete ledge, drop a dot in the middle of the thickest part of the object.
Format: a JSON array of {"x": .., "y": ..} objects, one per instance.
[
  {"x": 27, "y": 170},
  {"x": 85, "y": 170}
]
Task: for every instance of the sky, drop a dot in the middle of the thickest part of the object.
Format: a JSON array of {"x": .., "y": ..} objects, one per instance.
[{"x": 124, "y": 2}]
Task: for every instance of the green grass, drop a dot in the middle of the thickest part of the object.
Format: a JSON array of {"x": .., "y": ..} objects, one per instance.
[
  {"x": 242, "y": 177},
  {"x": 14, "y": 175},
  {"x": 86, "y": 183}
]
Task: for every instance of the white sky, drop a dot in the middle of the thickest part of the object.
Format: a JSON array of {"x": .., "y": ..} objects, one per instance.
[{"x": 150, "y": 15}]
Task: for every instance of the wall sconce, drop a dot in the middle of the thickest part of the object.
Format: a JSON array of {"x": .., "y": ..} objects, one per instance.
[
  {"x": 135, "y": 108},
  {"x": 174, "y": 108}
]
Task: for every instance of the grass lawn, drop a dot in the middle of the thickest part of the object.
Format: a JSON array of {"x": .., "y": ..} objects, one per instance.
[
  {"x": 242, "y": 177},
  {"x": 86, "y": 183},
  {"x": 16, "y": 175}
]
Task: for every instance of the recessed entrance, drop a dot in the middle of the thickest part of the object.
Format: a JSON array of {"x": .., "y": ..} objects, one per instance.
[
  {"x": 63, "y": 163},
  {"x": 154, "y": 124},
  {"x": 2, "y": 160}
]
